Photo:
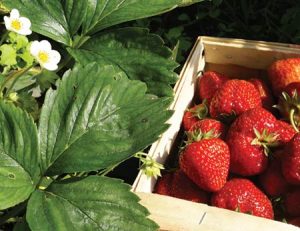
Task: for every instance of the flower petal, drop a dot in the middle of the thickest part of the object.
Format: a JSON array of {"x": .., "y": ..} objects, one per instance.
[
  {"x": 54, "y": 56},
  {"x": 25, "y": 31},
  {"x": 50, "y": 66},
  {"x": 45, "y": 45},
  {"x": 14, "y": 13},
  {"x": 25, "y": 22},
  {"x": 35, "y": 48},
  {"x": 7, "y": 22}
]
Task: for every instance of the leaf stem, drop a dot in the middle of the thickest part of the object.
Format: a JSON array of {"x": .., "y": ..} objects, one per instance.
[
  {"x": 108, "y": 170},
  {"x": 13, "y": 212},
  {"x": 4, "y": 36},
  {"x": 15, "y": 76}
]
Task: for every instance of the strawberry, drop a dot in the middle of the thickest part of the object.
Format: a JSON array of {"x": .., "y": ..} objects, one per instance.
[
  {"x": 258, "y": 118},
  {"x": 177, "y": 184},
  {"x": 292, "y": 203},
  {"x": 285, "y": 131},
  {"x": 243, "y": 196},
  {"x": 182, "y": 187},
  {"x": 249, "y": 139},
  {"x": 291, "y": 161},
  {"x": 282, "y": 72},
  {"x": 163, "y": 184},
  {"x": 193, "y": 115},
  {"x": 246, "y": 159},
  {"x": 264, "y": 92},
  {"x": 272, "y": 180},
  {"x": 206, "y": 163},
  {"x": 209, "y": 83},
  {"x": 206, "y": 125},
  {"x": 234, "y": 97}
]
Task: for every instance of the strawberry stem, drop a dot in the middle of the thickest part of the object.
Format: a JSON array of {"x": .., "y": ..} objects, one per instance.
[
  {"x": 148, "y": 165},
  {"x": 292, "y": 113}
]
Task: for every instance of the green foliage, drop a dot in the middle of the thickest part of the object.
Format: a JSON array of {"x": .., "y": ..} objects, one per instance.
[
  {"x": 108, "y": 105},
  {"x": 8, "y": 56},
  {"x": 73, "y": 22},
  {"x": 95, "y": 119},
  {"x": 124, "y": 48},
  {"x": 19, "y": 168},
  {"x": 112, "y": 115},
  {"x": 15, "y": 53},
  {"x": 59, "y": 20},
  {"x": 87, "y": 204}
]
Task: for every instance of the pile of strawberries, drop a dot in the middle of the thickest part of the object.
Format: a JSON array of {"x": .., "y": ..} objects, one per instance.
[{"x": 241, "y": 152}]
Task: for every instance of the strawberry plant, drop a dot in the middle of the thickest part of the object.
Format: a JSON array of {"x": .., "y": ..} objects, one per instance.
[{"x": 73, "y": 109}]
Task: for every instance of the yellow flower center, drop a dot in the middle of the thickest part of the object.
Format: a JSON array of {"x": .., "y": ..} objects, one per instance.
[
  {"x": 16, "y": 24},
  {"x": 43, "y": 56}
]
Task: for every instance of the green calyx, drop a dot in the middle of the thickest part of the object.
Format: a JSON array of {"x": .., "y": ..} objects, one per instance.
[
  {"x": 148, "y": 165},
  {"x": 197, "y": 135},
  {"x": 289, "y": 106},
  {"x": 265, "y": 140},
  {"x": 200, "y": 111}
]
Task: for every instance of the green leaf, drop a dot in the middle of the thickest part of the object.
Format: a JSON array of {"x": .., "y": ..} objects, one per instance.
[
  {"x": 8, "y": 55},
  {"x": 142, "y": 56},
  {"x": 45, "y": 79},
  {"x": 97, "y": 118},
  {"x": 106, "y": 13},
  {"x": 19, "y": 170},
  {"x": 47, "y": 17},
  {"x": 26, "y": 56},
  {"x": 75, "y": 11},
  {"x": 28, "y": 103},
  {"x": 92, "y": 203},
  {"x": 61, "y": 19},
  {"x": 21, "y": 41}
]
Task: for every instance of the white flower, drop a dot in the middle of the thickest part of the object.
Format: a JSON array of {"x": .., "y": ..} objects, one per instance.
[
  {"x": 20, "y": 25},
  {"x": 43, "y": 53}
]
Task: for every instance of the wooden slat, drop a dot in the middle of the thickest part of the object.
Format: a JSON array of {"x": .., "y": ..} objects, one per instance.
[
  {"x": 181, "y": 215},
  {"x": 251, "y": 54}
]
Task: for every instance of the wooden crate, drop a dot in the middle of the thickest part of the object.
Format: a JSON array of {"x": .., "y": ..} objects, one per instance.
[{"x": 233, "y": 57}]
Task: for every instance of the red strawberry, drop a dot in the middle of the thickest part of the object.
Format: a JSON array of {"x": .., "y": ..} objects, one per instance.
[
  {"x": 282, "y": 72},
  {"x": 272, "y": 180},
  {"x": 285, "y": 131},
  {"x": 235, "y": 96},
  {"x": 206, "y": 163},
  {"x": 292, "y": 203},
  {"x": 291, "y": 161},
  {"x": 246, "y": 159},
  {"x": 258, "y": 118},
  {"x": 209, "y": 83},
  {"x": 249, "y": 138},
  {"x": 183, "y": 188},
  {"x": 177, "y": 184},
  {"x": 193, "y": 115},
  {"x": 206, "y": 125},
  {"x": 163, "y": 184},
  {"x": 264, "y": 92},
  {"x": 243, "y": 196}
]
